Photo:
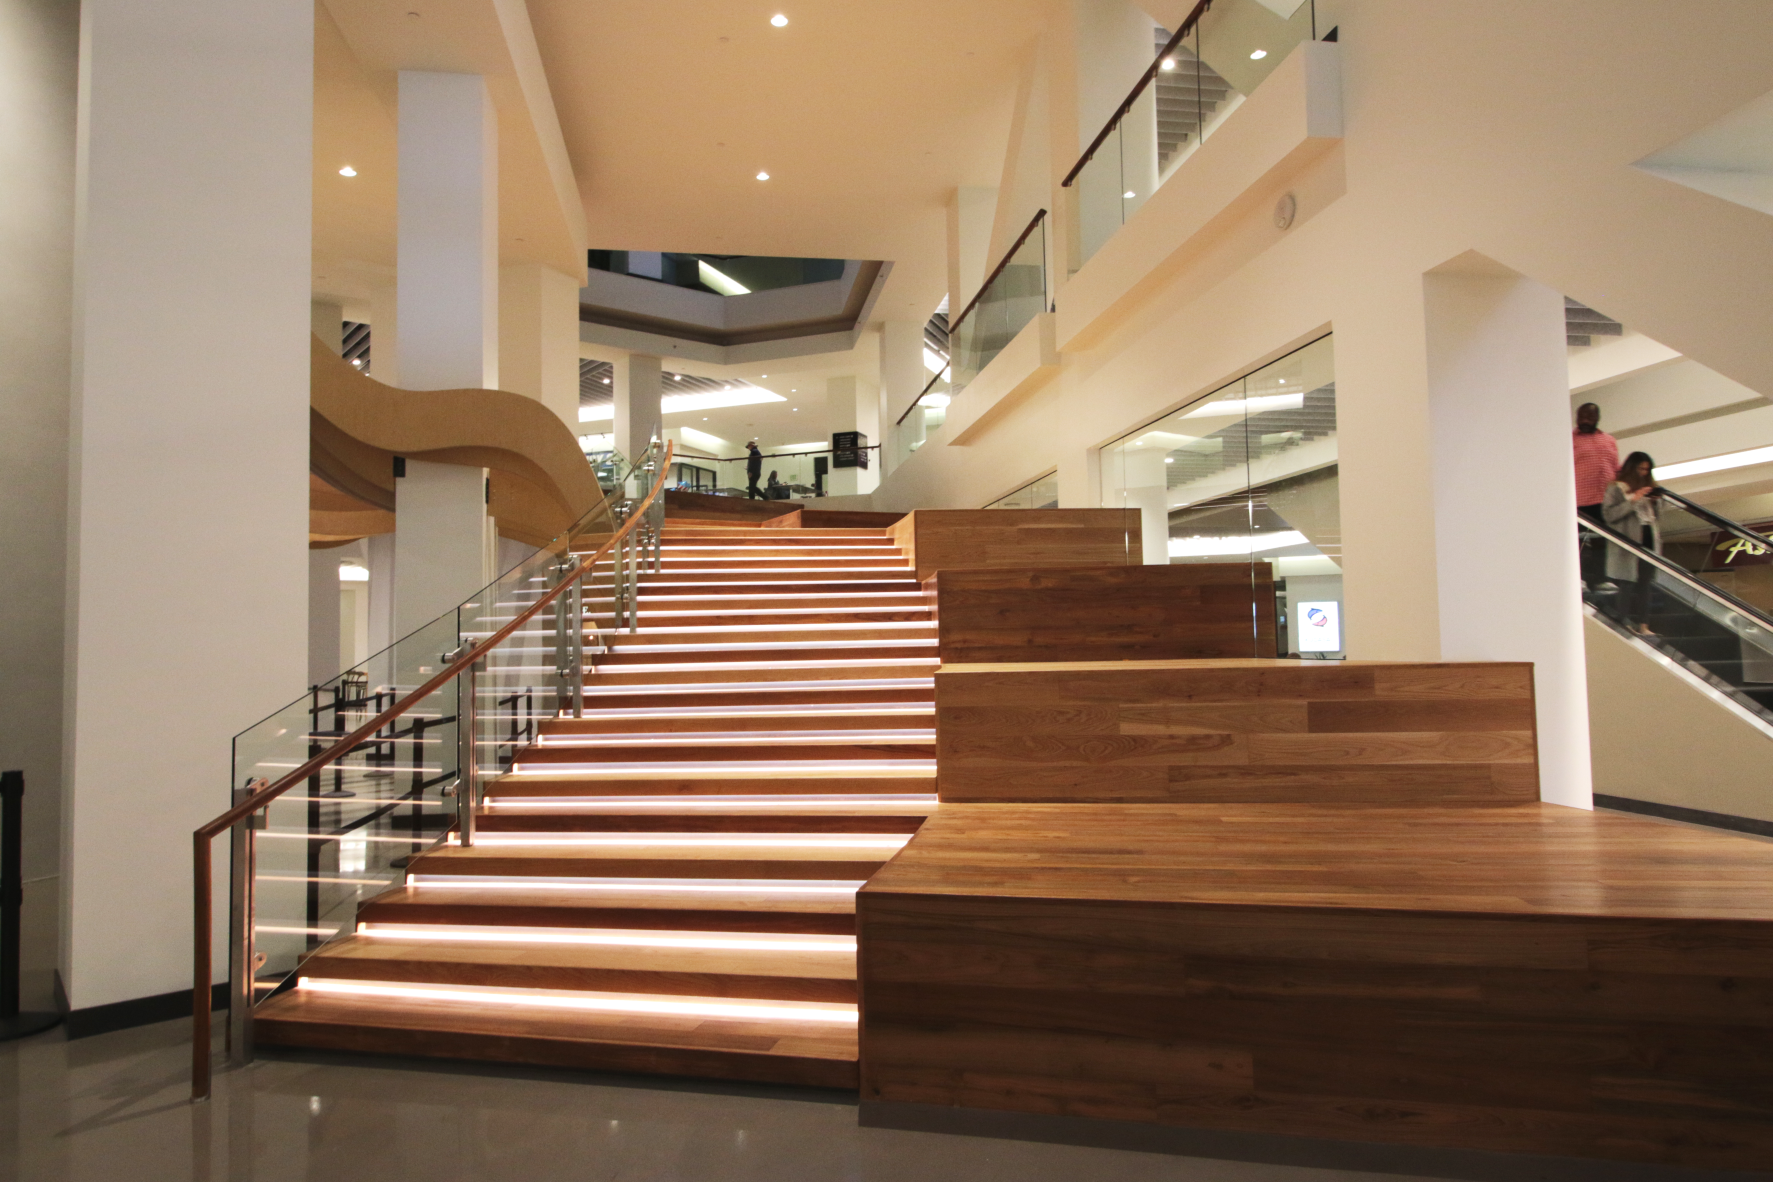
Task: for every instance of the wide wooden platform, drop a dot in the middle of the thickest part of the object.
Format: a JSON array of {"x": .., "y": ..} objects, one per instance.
[{"x": 1525, "y": 978}]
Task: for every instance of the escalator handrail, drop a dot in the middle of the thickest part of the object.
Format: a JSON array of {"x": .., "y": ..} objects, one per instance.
[
  {"x": 1684, "y": 576},
  {"x": 1737, "y": 528}
]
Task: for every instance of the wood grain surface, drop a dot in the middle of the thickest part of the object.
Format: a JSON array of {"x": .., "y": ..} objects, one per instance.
[
  {"x": 943, "y": 539},
  {"x": 1529, "y": 978},
  {"x": 1231, "y": 731},
  {"x": 1106, "y": 613}
]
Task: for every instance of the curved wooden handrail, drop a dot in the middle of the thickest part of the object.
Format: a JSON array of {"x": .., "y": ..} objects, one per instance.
[{"x": 203, "y": 954}]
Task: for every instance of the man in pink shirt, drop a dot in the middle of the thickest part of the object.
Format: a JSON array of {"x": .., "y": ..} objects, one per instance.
[{"x": 1597, "y": 465}]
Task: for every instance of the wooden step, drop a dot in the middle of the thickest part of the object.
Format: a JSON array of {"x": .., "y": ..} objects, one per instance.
[
  {"x": 742, "y": 535},
  {"x": 507, "y": 903},
  {"x": 701, "y": 748},
  {"x": 515, "y": 820},
  {"x": 758, "y": 719},
  {"x": 842, "y": 579},
  {"x": 823, "y": 968},
  {"x": 668, "y": 697},
  {"x": 671, "y": 782},
  {"x": 718, "y": 673},
  {"x": 633, "y": 649},
  {"x": 820, "y": 1054},
  {"x": 657, "y": 860}
]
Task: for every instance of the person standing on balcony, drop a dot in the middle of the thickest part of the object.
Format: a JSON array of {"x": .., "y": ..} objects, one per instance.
[
  {"x": 1632, "y": 509},
  {"x": 1597, "y": 461},
  {"x": 753, "y": 469}
]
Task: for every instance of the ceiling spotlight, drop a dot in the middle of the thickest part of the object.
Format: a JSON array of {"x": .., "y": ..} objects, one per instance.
[
  {"x": 1169, "y": 63},
  {"x": 677, "y": 377},
  {"x": 1258, "y": 55},
  {"x": 778, "y": 20},
  {"x": 606, "y": 381},
  {"x": 763, "y": 176},
  {"x": 1128, "y": 195},
  {"x": 347, "y": 171}
]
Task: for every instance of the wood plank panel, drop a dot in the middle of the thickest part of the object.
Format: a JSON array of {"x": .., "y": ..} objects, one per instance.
[
  {"x": 945, "y": 539},
  {"x": 1525, "y": 979},
  {"x": 1229, "y": 731},
  {"x": 1104, "y": 613}
]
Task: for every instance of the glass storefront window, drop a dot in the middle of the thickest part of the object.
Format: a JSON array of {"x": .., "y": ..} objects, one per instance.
[{"x": 1248, "y": 474}]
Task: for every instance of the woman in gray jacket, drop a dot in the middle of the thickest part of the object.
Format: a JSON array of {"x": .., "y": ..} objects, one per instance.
[{"x": 1632, "y": 508}]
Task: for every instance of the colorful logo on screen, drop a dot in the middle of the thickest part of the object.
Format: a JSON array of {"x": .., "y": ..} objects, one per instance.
[{"x": 1317, "y": 617}]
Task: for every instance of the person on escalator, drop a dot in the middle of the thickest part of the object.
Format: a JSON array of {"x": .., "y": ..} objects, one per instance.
[
  {"x": 1597, "y": 460},
  {"x": 1632, "y": 508},
  {"x": 753, "y": 469}
]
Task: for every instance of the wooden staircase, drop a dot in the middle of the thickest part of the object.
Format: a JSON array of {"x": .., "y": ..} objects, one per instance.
[{"x": 668, "y": 884}]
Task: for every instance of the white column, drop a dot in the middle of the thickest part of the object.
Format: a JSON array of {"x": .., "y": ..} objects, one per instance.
[
  {"x": 327, "y": 319},
  {"x": 840, "y": 413},
  {"x": 867, "y": 402},
  {"x": 195, "y": 167},
  {"x": 1146, "y": 492},
  {"x": 323, "y": 615},
  {"x": 637, "y": 392},
  {"x": 902, "y": 377},
  {"x": 539, "y": 337},
  {"x": 1505, "y": 501},
  {"x": 379, "y": 551},
  {"x": 384, "y": 334},
  {"x": 440, "y": 543},
  {"x": 448, "y": 303},
  {"x": 447, "y": 311}
]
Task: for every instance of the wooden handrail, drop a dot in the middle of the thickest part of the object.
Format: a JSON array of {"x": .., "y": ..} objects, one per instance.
[
  {"x": 1126, "y": 105},
  {"x": 203, "y": 910}
]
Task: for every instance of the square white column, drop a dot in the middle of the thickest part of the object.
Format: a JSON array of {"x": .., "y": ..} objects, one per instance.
[{"x": 637, "y": 390}]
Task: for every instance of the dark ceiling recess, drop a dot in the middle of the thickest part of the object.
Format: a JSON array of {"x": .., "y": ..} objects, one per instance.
[
  {"x": 1582, "y": 324},
  {"x": 356, "y": 342}
]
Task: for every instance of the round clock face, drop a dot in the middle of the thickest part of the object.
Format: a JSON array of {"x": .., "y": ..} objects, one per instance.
[{"x": 1284, "y": 209}]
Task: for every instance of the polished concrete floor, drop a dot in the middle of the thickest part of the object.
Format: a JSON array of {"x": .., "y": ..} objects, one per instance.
[{"x": 114, "y": 1108}]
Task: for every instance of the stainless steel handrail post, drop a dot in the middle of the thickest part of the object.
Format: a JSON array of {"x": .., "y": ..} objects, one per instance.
[
  {"x": 467, "y": 755},
  {"x": 242, "y": 941},
  {"x": 577, "y": 613}
]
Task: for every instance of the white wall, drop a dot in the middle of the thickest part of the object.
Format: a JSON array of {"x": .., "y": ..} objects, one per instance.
[
  {"x": 187, "y": 531},
  {"x": 38, "y": 40},
  {"x": 1467, "y": 126}
]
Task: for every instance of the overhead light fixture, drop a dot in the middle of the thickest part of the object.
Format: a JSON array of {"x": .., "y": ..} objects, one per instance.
[
  {"x": 720, "y": 281},
  {"x": 347, "y": 171},
  {"x": 1169, "y": 460},
  {"x": 350, "y": 572},
  {"x": 1128, "y": 195},
  {"x": 1247, "y": 406},
  {"x": 606, "y": 381},
  {"x": 1258, "y": 55},
  {"x": 677, "y": 377},
  {"x": 1723, "y": 463},
  {"x": 1169, "y": 63},
  {"x": 779, "y": 20},
  {"x": 763, "y": 176}
]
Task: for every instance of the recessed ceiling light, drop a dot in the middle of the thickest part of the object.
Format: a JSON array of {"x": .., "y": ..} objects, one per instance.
[
  {"x": 778, "y": 20},
  {"x": 606, "y": 381},
  {"x": 1129, "y": 195},
  {"x": 347, "y": 171},
  {"x": 1169, "y": 63},
  {"x": 763, "y": 176},
  {"x": 1258, "y": 55},
  {"x": 677, "y": 377}
]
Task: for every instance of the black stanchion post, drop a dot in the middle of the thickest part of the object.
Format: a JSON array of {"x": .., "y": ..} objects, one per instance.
[{"x": 12, "y": 900}]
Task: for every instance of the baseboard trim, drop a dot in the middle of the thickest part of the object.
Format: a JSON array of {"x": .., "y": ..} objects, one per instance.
[
  {"x": 1675, "y": 812},
  {"x": 1469, "y": 1165},
  {"x": 137, "y": 1011}
]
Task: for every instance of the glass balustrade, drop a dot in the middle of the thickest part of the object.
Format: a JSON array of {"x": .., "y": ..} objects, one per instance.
[
  {"x": 1721, "y": 553},
  {"x": 1248, "y": 475},
  {"x": 1196, "y": 82},
  {"x": 798, "y": 475},
  {"x": 1014, "y": 294},
  {"x": 324, "y": 847},
  {"x": 1036, "y": 494}
]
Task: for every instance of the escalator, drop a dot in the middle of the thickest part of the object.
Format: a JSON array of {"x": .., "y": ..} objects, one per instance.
[{"x": 1705, "y": 603}]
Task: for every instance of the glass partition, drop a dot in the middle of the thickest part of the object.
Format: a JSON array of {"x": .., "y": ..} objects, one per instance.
[
  {"x": 1036, "y": 494},
  {"x": 798, "y": 475},
  {"x": 1721, "y": 553},
  {"x": 1248, "y": 475},
  {"x": 1014, "y": 294},
  {"x": 1195, "y": 83},
  {"x": 923, "y": 418}
]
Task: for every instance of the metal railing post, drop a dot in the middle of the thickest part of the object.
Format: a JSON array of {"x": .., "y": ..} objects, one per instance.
[
  {"x": 467, "y": 759},
  {"x": 577, "y": 612},
  {"x": 619, "y": 582},
  {"x": 242, "y": 934}
]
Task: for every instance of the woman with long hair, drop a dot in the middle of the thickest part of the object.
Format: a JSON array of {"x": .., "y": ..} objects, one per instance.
[{"x": 1632, "y": 508}]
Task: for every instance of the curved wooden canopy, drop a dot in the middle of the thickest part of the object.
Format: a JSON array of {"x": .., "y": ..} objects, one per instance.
[{"x": 540, "y": 480}]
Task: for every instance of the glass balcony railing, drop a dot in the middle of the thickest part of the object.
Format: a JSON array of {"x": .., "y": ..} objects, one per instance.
[{"x": 1222, "y": 53}]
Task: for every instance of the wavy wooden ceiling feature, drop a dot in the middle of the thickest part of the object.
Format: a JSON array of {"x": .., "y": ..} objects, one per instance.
[{"x": 541, "y": 482}]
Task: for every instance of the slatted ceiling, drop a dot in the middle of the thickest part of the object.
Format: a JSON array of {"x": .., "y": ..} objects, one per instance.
[
  {"x": 356, "y": 343},
  {"x": 597, "y": 383},
  {"x": 1582, "y": 324},
  {"x": 935, "y": 332}
]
